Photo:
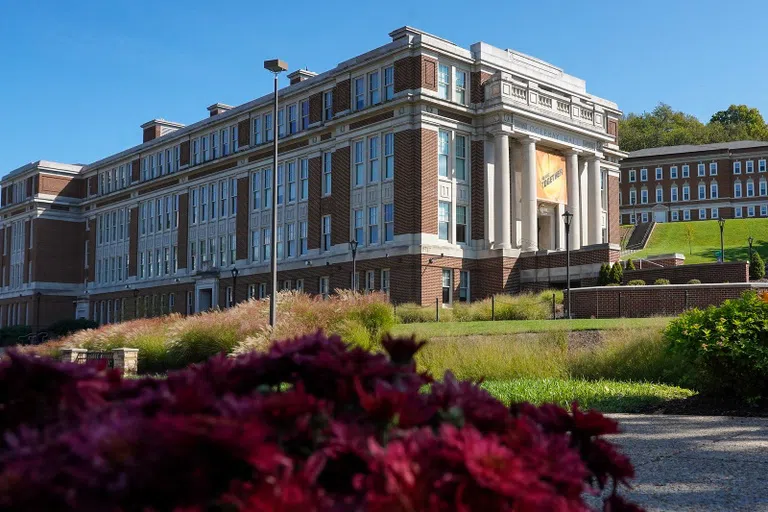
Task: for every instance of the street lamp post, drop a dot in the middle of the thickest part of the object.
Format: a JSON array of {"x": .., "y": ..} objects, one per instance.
[
  {"x": 234, "y": 285},
  {"x": 749, "y": 241},
  {"x": 721, "y": 222},
  {"x": 353, "y": 247},
  {"x": 276, "y": 66},
  {"x": 567, "y": 217}
]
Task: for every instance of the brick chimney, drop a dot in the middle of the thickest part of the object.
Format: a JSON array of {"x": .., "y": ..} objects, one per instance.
[
  {"x": 300, "y": 75},
  {"x": 158, "y": 127},
  {"x": 218, "y": 108}
]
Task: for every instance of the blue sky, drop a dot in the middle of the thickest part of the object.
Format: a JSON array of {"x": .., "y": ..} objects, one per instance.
[{"x": 78, "y": 78}]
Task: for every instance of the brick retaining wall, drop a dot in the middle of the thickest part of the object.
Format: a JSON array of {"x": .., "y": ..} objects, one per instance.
[
  {"x": 645, "y": 301},
  {"x": 731, "y": 272}
]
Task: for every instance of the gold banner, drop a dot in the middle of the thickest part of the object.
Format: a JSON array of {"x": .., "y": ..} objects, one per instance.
[{"x": 550, "y": 177}]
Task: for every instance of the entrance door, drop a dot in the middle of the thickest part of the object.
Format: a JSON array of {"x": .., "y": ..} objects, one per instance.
[
  {"x": 660, "y": 216},
  {"x": 206, "y": 299}
]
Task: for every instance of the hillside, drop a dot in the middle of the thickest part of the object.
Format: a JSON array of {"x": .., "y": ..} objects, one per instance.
[{"x": 671, "y": 237}]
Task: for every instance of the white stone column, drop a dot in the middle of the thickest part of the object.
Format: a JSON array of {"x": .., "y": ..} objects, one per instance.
[
  {"x": 559, "y": 222},
  {"x": 584, "y": 197},
  {"x": 502, "y": 175},
  {"x": 574, "y": 206},
  {"x": 529, "y": 213},
  {"x": 595, "y": 230},
  {"x": 489, "y": 206}
]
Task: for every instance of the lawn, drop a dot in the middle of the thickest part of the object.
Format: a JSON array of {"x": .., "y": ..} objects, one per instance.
[
  {"x": 447, "y": 329},
  {"x": 672, "y": 237},
  {"x": 604, "y": 395}
]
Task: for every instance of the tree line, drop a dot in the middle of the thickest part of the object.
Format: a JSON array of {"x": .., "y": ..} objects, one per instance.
[{"x": 664, "y": 126}]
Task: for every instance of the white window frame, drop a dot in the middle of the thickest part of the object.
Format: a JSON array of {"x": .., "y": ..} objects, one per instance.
[
  {"x": 750, "y": 166},
  {"x": 673, "y": 172},
  {"x": 632, "y": 175},
  {"x": 686, "y": 171},
  {"x": 659, "y": 174},
  {"x": 643, "y": 174},
  {"x": 736, "y": 167},
  {"x": 713, "y": 168}
]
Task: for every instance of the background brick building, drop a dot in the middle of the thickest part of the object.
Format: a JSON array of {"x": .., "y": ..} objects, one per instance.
[{"x": 451, "y": 167}]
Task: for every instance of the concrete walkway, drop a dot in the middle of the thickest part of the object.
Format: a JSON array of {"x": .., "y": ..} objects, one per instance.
[{"x": 699, "y": 463}]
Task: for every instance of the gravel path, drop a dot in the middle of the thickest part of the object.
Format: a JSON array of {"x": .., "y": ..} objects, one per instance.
[{"x": 701, "y": 463}]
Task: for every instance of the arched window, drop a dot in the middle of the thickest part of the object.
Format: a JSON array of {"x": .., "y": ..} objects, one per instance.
[
  {"x": 737, "y": 188},
  {"x": 713, "y": 191},
  {"x": 750, "y": 188},
  {"x": 673, "y": 194},
  {"x": 763, "y": 187},
  {"x": 659, "y": 194}
]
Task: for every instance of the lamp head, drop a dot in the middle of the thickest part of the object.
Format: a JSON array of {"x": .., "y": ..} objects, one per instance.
[
  {"x": 275, "y": 65},
  {"x": 235, "y": 272},
  {"x": 721, "y": 221},
  {"x": 353, "y": 245},
  {"x": 567, "y": 218}
]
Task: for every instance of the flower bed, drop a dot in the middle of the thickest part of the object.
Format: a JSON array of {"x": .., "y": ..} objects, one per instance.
[{"x": 311, "y": 424}]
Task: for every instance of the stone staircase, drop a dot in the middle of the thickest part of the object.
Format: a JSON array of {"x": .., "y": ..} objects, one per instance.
[{"x": 640, "y": 236}]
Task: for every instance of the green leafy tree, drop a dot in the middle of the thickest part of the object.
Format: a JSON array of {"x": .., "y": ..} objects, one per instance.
[
  {"x": 688, "y": 234},
  {"x": 617, "y": 273},
  {"x": 631, "y": 264},
  {"x": 756, "y": 267},
  {"x": 738, "y": 122},
  {"x": 605, "y": 274}
]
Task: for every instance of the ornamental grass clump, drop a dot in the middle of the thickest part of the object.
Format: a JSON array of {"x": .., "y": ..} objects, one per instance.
[{"x": 309, "y": 425}]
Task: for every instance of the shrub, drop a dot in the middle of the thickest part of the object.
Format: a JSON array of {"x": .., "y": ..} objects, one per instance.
[
  {"x": 546, "y": 296},
  {"x": 636, "y": 282},
  {"x": 409, "y": 313},
  {"x": 617, "y": 273},
  {"x": 694, "y": 281},
  {"x": 726, "y": 346},
  {"x": 631, "y": 264},
  {"x": 309, "y": 425},
  {"x": 661, "y": 280},
  {"x": 756, "y": 267},
  {"x": 11, "y": 335},
  {"x": 70, "y": 325},
  {"x": 605, "y": 275},
  {"x": 524, "y": 306}
]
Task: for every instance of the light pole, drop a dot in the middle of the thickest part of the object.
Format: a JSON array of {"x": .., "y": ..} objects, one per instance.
[
  {"x": 353, "y": 247},
  {"x": 721, "y": 221},
  {"x": 234, "y": 285},
  {"x": 749, "y": 241},
  {"x": 276, "y": 66},
  {"x": 567, "y": 217}
]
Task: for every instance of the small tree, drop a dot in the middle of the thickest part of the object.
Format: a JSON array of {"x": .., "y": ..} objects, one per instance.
[
  {"x": 605, "y": 275},
  {"x": 689, "y": 236},
  {"x": 631, "y": 264},
  {"x": 756, "y": 267},
  {"x": 617, "y": 273}
]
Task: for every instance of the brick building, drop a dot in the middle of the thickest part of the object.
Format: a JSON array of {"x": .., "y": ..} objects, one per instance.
[
  {"x": 450, "y": 166},
  {"x": 708, "y": 181}
]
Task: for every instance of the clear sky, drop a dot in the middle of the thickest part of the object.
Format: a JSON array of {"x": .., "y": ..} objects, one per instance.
[{"x": 78, "y": 78}]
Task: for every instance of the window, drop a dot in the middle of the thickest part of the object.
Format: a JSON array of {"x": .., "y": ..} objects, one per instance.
[
  {"x": 444, "y": 82},
  {"x": 303, "y": 179},
  {"x": 461, "y": 158},
  {"x": 447, "y": 288},
  {"x": 257, "y": 134},
  {"x": 659, "y": 174},
  {"x": 290, "y": 236},
  {"x": 686, "y": 214},
  {"x": 713, "y": 191},
  {"x": 291, "y": 181},
  {"x": 374, "y": 88},
  {"x": 673, "y": 172},
  {"x": 461, "y": 87},
  {"x": 192, "y": 256},
  {"x": 632, "y": 196},
  {"x": 644, "y": 216},
  {"x": 254, "y": 245},
  {"x": 232, "y": 249},
  {"x": 736, "y": 167},
  {"x": 443, "y": 149},
  {"x": 326, "y": 233},
  {"x": 280, "y": 252},
  {"x": 389, "y": 222},
  {"x": 389, "y": 156},
  {"x": 266, "y": 244},
  {"x": 262, "y": 290},
  {"x": 323, "y": 287},
  {"x": 370, "y": 280},
  {"x": 214, "y": 146},
  {"x": 464, "y": 286},
  {"x": 328, "y": 105},
  {"x": 385, "y": 281},
  {"x": 737, "y": 189},
  {"x": 632, "y": 175},
  {"x": 686, "y": 193},
  {"x": 358, "y": 227},
  {"x": 444, "y": 220},
  {"x": 750, "y": 188},
  {"x": 750, "y": 211},
  {"x": 293, "y": 126},
  {"x": 373, "y": 225},
  {"x": 168, "y": 211},
  {"x": 761, "y": 165},
  {"x": 267, "y": 174},
  {"x": 763, "y": 210},
  {"x": 204, "y": 142},
  {"x": 763, "y": 187},
  {"x": 300, "y": 285},
  {"x": 281, "y": 123},
  {"x": 673, "y": 193},
  {"x": 327, "y": 165},
  {"x": 713, "y": 168},
  {"x": 750, "y": 166},
  {"x": 702, "y": 191},
  {"x": 269, "y": 128},
  {"x": 714, "y": 213},
  {"x": 644, "y": 196},
  {"x": 737, "y": 212},
  {"x": 643, "y": 174},
  {"x": 675, "y": 215},
  {"x": 305, "y": 114},
  {"x": 203, "y": 203},
  {"x": 359, "y": 93},
  {"x": 373, "y": 159},
  {"x": 233, "y": 196},
  {"x": 228, "y": 295},
  {"x": 701, "y": 169},
  {"x": 280, "y": 185},
  {"x": 251, "y": 291},
  {"x": 389, "y": 83},
  {"x": 359, "y": 163},
  {"x": 303, "y": 237},
  {"x": 702, "y": 213},
  {"x": 659, "y": 195},
  {"x": 461, "y": 224}
]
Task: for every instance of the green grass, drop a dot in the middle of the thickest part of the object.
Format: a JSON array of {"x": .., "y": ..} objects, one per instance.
[
  {"x": 603, "y": 395},
  {"x": 671, "y": 237},
  {"x": 446, "y": 329}
]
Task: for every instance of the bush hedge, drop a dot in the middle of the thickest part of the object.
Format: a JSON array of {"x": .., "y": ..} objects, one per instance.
[
  {"x": 694, "y": 281},
  {"x": 309, "y": 425},
  {"x": 661, "y": 280},
  {"x": 636, "y": 282},
  {"x": 725, "y": 346}
]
